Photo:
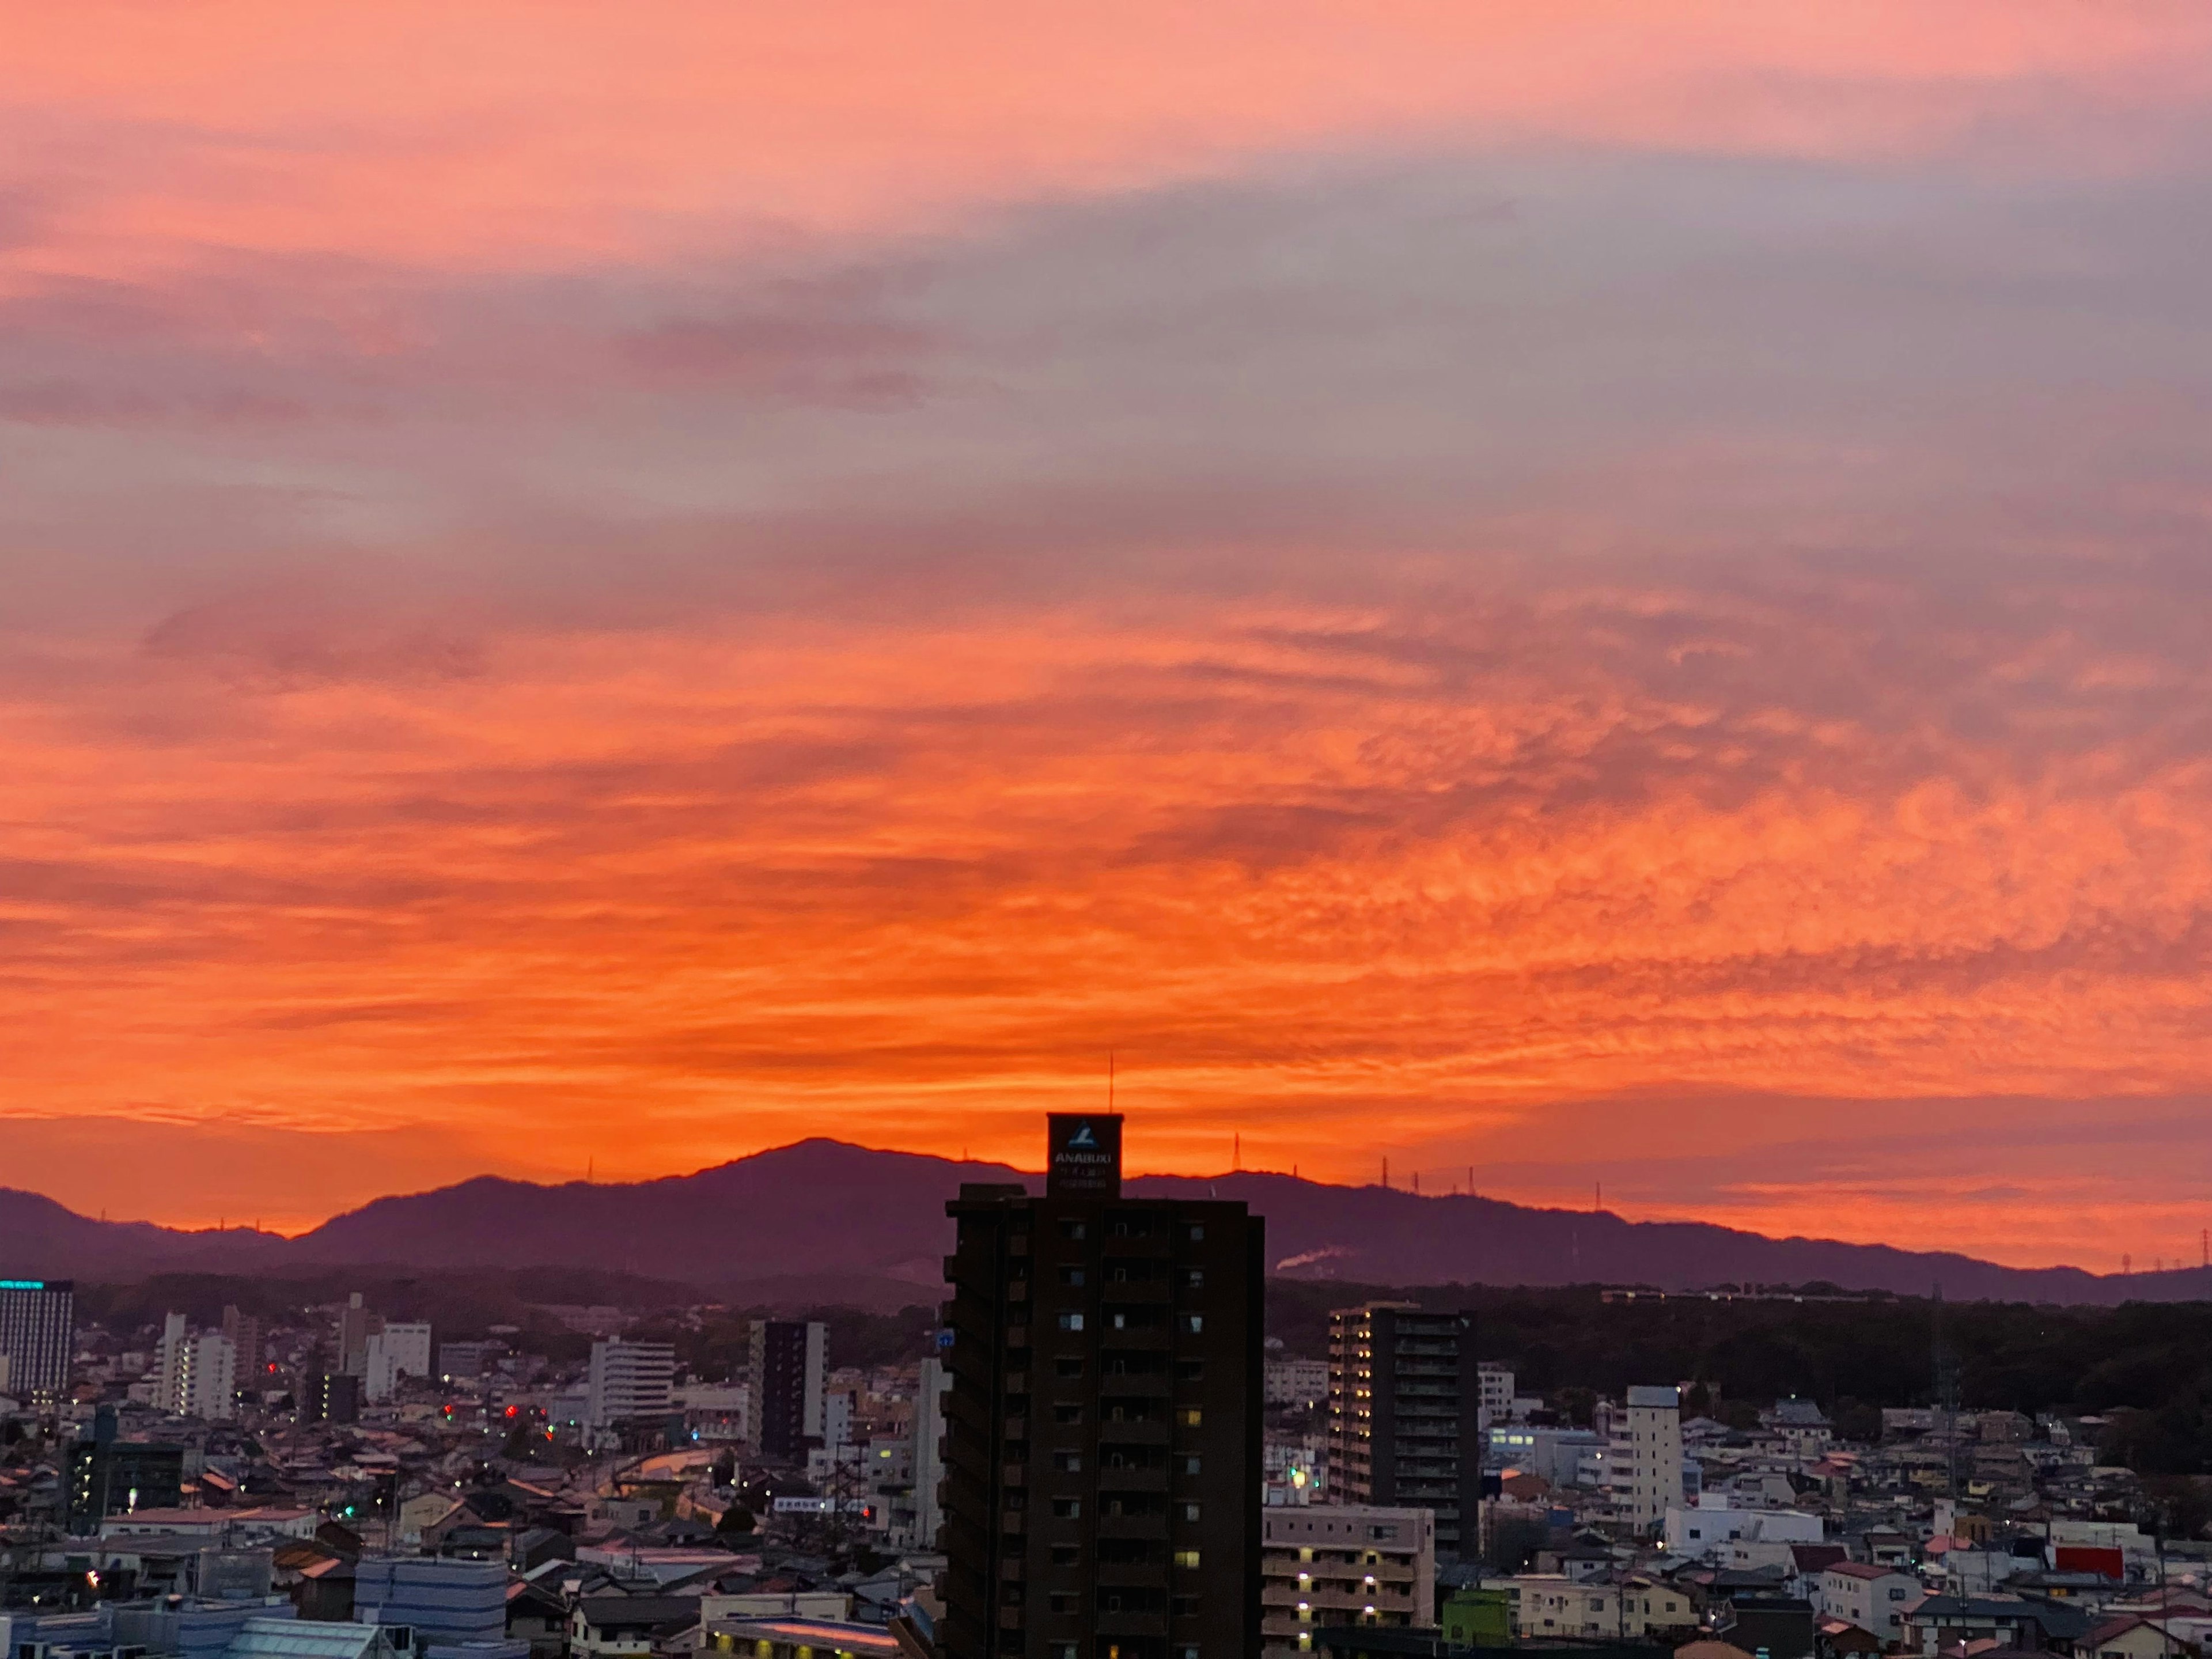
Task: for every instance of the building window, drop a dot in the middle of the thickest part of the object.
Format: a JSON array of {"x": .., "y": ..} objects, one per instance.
[
  {"x": 1064, "y": 1413},
  {"x": 1067, "y": 1463},
  {"x": 1190, "y": 1513},
  {"x": 1197, "y": 1233},
  {"x": 1071, "y": 1230},
  {"x": 1066, "y": 1365},
  {"x": 1071, "y": 1322},
  {"x": 1070, "y": 1275},
  {"x": 1193, "y": 1323},
  {"x": 1190, "y": 1465},
  {"x": 1066, "y": 1509},
  {"x": 1186, "y": 1559},
  {"x": 1190, "y": 1417}
]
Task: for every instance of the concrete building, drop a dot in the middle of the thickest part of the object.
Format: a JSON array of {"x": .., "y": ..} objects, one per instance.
[
  {"x": 1405, "y": 1413},
  {"x": 1550, "y": 1605},
  {"x": 1563, "y": 1458},
  {"x": 1496, "y": 1394},
  {"x": 37, "y": 1334},
  {"x": 445, "y": 1602},
  {"x": 788, "y": 1378},
  {"x": 195, "y": 1375},
  {"x": 243, "y": 1332},
  {"x": 1324, "y": 1566},
  {"x": 1301, "y": 1384},
  {"x": 1102, "y": 1428},
  {"x": 1876, "y": 1599},
  {"x": 928, "y": 1500},
  {"x": 628, "y": 1379},
  {"x": 110, "y": 1477},
  {"x": 408, "y": 1343},
  {"x": 1646, "y": 1458},
  {"x": 356, "y": 1324},
  {"x": 1713, "y": 1528}
]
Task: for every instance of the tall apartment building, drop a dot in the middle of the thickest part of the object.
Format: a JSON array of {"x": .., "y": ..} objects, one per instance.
[
  {"x": 356, "y": 1324},
  {"x": 37, "y": 1334},
  {"x": 789, "y": 1374},
  {"x": 628, "y": 1379},
  {"x": 200, "y": 1376},
  {"x": 929, "y": 1454},
  {"x": 1344, "y": 1564},
  {"x": 327, "y": 1396},
  {"x": 1404, "y": 1416},
  {"x": 1102, "y": 1441},
  {"x": 1645, "y": 1461},
  {"x": 243, "y": 1331}
]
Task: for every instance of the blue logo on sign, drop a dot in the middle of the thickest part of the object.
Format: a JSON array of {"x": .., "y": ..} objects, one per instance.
[{"x": 1082, "y": 1137}]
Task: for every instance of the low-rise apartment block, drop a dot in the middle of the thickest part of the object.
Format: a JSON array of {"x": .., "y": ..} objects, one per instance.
[{"x": 1322, "y": 1565}]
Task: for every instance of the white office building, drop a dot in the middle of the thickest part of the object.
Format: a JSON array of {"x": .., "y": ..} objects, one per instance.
[{"x": 628, "y": 1379}]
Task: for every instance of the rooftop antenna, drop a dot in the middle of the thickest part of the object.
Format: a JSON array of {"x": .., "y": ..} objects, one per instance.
[
  {"x": 1235, "y": 1152},
  {"x": 1110, "y": 1079},
  {"x": 1386, "y": 1172}
]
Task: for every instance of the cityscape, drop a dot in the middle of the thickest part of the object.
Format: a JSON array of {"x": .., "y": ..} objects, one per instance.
[
  {"x": 1110, "y": 1438},
  {"x": 1187, "y": 829}
]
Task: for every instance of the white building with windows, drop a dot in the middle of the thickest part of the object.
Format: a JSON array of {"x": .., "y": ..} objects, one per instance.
[
  {"x": 1876, "y": 1599},
  {"x": 1645, "y": 1462},
  {"x": 1713, "y": 1530},
  {"x": 195, "y": 1375},
  {"x": 628, "y": 1379}
]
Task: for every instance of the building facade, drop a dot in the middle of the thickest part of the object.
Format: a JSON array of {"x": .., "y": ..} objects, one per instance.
[
  {"x": 1102, "y": 1440},
  {"x": 628, "y": 1379},
  {"x": 1646, "y": 1464},
  {"x": 1331, "y": 1565},
  {"x": 929, "y": 1454},
  {"x": 243, "y": 1332},
  {"x": 789, "y": 1376},
  {"x": 1404, "y": 1416},
  {"x": 37, "y": 1334}
]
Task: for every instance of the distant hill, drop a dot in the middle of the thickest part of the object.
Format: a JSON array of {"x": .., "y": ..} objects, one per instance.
[{"x": 821, "y": 1211}]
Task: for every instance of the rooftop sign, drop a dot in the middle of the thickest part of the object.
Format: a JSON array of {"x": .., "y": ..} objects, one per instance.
[{"x": 1085, "y": 1156}]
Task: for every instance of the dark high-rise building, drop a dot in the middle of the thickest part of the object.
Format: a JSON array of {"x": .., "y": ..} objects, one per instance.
[
  {"x": 108, "y": 1476},
  {"x": 243, "y": 1332},
  {"x": 329, "y": 1396},
  {"x": 1102, "y": 1441},
  {"x": 38, "y": 1333},
  {"x": 787, "y": 1376},
  {"x": 1404, "y": 1416}
]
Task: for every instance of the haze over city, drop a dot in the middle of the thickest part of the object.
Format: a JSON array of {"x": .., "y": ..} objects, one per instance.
[{"x": 1559, "y": 595}]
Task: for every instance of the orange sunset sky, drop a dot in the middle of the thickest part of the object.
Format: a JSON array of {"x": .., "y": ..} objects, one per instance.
[{"x": 1584, "y": 592}]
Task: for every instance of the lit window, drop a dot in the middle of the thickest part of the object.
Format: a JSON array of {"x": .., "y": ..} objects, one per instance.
[
  {"x": 1071, "y": 1322},
  {"x": 1186, "y": 1559}
]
